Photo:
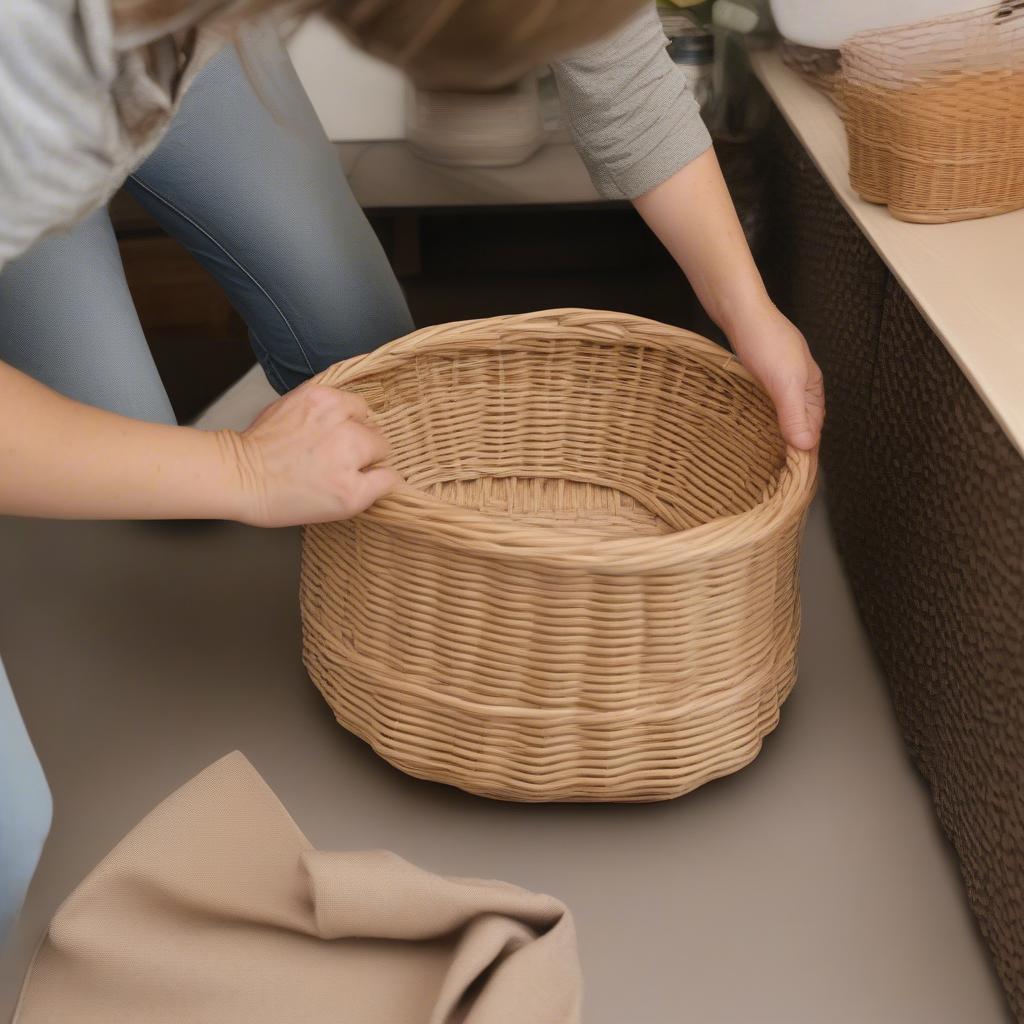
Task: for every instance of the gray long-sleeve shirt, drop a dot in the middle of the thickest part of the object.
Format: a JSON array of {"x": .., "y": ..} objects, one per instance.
[
  {"x": 78, "y": 111},
  {"x": 632, "y": 115}
]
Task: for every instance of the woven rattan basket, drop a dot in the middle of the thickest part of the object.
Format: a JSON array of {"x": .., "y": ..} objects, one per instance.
[
  {"x": 819, "y": 67},
  {"x": 588, "y": 591},
  {"x": 934, "y": 115}
]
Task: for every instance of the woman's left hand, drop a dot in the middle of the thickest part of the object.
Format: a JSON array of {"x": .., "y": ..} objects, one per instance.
[{"x": 776, "y": 353}]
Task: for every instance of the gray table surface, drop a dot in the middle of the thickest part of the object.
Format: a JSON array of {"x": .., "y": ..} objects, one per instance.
[{"x": 811, "y": 887}]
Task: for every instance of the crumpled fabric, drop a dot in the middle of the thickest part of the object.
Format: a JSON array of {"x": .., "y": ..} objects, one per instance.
[{"x": 215, "y": 909}]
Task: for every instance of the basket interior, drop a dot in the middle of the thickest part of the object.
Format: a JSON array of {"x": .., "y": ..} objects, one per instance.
[{"x": 623, "y": 439}]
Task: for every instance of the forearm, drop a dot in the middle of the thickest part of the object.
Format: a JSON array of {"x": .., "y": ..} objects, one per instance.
[
  {"x": 693, "y": 215},
  {"x": 62, "y": 459}
]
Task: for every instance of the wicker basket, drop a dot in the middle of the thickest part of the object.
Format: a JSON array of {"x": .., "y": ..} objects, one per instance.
[
  {"x": 934, "y": 115},
  {"x": 588, "y": 591},
  {"x": 821, "y": 68}
]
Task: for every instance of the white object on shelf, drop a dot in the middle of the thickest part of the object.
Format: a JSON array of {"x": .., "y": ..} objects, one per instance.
[
  {"x": 733, "y": 16},
  {"x": 492, "y": 129},
  {"x": 356, "y": 97},
  {"x": 828, "y": 24}
]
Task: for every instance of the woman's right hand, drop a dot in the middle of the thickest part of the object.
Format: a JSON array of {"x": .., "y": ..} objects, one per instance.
[{"x": 310, "y": 457}]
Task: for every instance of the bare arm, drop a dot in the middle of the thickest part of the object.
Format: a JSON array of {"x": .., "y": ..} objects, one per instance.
[
  {"x": 640, "y": 133},
  {"x": 307, "y": 458},
  {"x": 693, "y": 215}
]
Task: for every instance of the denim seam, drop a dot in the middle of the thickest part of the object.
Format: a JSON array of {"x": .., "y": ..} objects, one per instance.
[
  {"x": 184, "y": 216},
  {"x": 267, "y": 362}
]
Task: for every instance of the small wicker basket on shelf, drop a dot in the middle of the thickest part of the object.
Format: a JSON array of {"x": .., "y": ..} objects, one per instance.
[
  {"x": 588, "y": 589},
  {"x": 934, "y": 115},
  {"x": 820, "y": 67}
]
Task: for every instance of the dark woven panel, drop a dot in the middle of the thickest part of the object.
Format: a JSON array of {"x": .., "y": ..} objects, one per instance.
[
  {"x": 826, "y": 276},
  {"x": 926, "y": 497},
  {"x": 938, "y": 570}
]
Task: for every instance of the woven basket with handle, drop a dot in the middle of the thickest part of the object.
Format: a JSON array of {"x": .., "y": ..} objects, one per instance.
[
  {"x": 587, "y": 590},
  {"x": 934, "y": 114}
]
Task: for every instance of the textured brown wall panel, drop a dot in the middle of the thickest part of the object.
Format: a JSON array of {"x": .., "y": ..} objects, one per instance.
[{"x": 926, "y": 498}]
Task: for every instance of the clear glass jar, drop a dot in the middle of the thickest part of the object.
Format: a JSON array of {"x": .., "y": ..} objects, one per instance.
[{"x": 693, "y": 50}]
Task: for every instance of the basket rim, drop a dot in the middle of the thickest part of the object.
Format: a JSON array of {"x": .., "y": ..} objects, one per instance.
[{"x": 418, "y": 514}]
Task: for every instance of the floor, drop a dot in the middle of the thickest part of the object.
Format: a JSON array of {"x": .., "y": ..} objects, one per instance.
[{"x": 811, "y": 888}]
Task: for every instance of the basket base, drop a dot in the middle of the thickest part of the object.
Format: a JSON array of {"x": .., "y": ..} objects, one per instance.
[
  {"x": 673, "y": 752},
  {"x": 655, "y": 791},
  {"x": 951, "y": 216}
]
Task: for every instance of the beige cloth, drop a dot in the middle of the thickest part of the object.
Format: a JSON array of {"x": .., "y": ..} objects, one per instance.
[{"x": 216, "y": 910}]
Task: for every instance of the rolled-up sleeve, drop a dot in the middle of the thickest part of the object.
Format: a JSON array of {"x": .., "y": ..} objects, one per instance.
[
  {"x": 630, "y": 110},
  {"x": 58, "y": 125}
]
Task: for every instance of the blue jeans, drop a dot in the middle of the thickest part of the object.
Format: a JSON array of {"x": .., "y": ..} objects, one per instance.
[
  {"x": 246, "y": 180},
  {"x": 25, "y": 807}
]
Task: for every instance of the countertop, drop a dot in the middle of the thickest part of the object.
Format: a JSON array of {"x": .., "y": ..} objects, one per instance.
[
  {"x": 390, "y": 175},
  {"x": 967, "y": 278}
]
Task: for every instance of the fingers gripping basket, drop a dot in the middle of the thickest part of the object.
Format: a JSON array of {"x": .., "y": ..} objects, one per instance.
[{"x": 588, "y": 591}]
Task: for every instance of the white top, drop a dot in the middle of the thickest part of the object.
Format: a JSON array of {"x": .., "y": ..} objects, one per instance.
[
  {"x": 80, "y": 108},
  {"x": 967, "y": 278}
]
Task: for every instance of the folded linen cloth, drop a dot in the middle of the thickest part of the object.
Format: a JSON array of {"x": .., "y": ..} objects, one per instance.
[{"x": 216, "y": 910}]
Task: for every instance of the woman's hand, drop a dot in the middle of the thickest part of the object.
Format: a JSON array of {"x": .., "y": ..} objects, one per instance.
[
  {"x": 310, "y": 457},
  {"x": 775, "y": 352}
]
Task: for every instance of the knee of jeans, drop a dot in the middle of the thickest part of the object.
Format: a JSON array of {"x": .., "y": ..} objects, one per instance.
[
  {"x": 335, "y": 324},
  {"x": 357, "y": 320}
]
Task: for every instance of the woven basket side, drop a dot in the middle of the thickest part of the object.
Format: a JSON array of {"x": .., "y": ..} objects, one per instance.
[
  {"x": 555, "y": 686},
  {"x": 934, "y": 114},
  {"x": 590, "y": 591},
  {"x": 512, "y": 640}
]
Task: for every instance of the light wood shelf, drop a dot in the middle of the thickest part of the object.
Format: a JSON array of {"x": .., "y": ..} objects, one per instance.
[{"x": 967, "y": 279}]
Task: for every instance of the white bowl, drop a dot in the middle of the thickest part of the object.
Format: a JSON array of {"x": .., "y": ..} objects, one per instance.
[{"x": 829, "y": 23}]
